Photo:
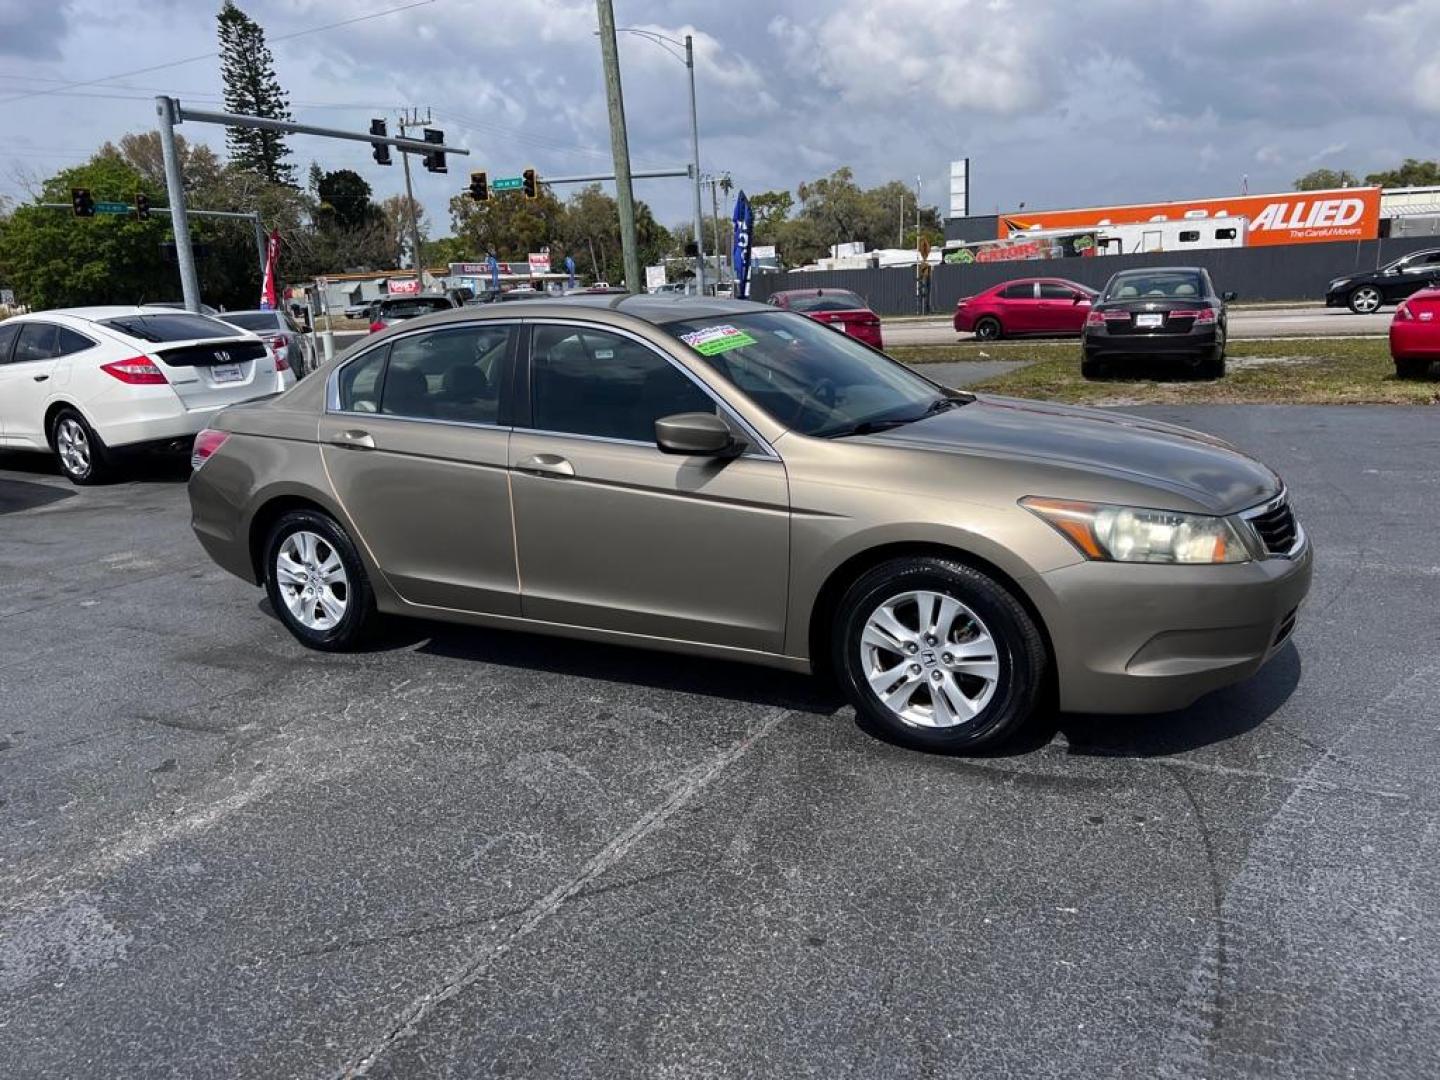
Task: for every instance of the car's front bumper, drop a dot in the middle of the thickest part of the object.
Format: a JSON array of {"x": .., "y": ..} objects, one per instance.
[
  {"x": 1138, "y": 637},
  {"x": 1339, "y": 297}
]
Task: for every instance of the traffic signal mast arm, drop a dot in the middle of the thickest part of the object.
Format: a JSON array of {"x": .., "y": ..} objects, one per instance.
[{"x": 412, "y": 146}]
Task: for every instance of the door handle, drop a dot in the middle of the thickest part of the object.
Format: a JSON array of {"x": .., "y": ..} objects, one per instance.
[
  {"x": 353, "y": 439},
  {"x": 546, "y": 465},
  {"x": 40, "y": 378}
]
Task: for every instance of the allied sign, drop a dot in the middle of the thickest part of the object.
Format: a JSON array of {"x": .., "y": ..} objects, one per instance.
[
  {"x": 508, "y": 183},
  {"x": 1294, "y": 217}
]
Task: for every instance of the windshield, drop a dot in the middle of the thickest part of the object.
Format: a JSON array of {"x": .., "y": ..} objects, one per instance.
[
  {"x": 253, "y": 320},
  {"x": 808, "y": 377},
  {"x": 1171, "y": 285},
  {"x": 829, "y": 301},
  {"x": 179, "y": 327}
]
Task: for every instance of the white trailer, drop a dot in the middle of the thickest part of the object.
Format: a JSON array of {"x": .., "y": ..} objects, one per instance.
[{"x": 1185, "y": 234}]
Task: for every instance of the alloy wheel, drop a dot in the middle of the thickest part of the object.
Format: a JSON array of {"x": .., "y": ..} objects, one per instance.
[
  {"x": 73, "y": 446},
  {"x": 1365, "y": 299},
  {"x": 929, "y": 659},
  {"x": 312, "y": 580}
]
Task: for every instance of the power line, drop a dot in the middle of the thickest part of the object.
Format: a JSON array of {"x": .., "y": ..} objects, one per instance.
[{"x": 213, "y": 54}]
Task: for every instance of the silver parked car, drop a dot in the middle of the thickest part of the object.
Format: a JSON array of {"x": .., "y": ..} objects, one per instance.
[
  {"x": 720, "y": 478},
  {"x": 288, "y": 343}
]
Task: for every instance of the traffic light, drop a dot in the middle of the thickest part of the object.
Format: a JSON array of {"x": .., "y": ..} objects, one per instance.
[
  {"x": 479, "y": 186},
  {"x": 81, "y": 202},
  {"x": 142, "y": 206},
  {"x": 435, "y": 160},
  {"x": 380, "y": 150},
  {"x": 530, "y": 183}
]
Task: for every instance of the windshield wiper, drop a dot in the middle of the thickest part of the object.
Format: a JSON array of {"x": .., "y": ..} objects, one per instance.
[{"x": 870, "y": 427}]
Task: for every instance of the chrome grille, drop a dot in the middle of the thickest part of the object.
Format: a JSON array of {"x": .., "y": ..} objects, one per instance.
[{"x": 1275, "y": 525}]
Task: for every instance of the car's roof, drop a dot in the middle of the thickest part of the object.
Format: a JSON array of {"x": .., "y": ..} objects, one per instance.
[
  {"x": 247, "y": 311},
  {"x": 1140, "y": 271},
  {"x": 819, "y": 290},
  {"x": 658, "y": 309},
  {"x": 95, "y": 314}
]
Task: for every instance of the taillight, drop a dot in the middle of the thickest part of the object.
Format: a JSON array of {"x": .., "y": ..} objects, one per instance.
[
  {"x": 277, "y": 350},
  {"x": 1200, "y": 315},
  {"x": 206, "y": 443},
  {"x": 137, "y": 371},
  {"x": 1402, "y": 313},
  {"x": 1095, "y": 318}
]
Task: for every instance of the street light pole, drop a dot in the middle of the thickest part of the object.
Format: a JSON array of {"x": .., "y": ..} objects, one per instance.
[{"x": 165, "y": 108}]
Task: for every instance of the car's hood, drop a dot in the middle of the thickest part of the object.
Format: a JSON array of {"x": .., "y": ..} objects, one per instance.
[{"x": 1198, "y": 468}]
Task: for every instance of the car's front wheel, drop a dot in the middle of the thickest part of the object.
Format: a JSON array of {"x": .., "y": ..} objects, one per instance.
[
  {"x": 937, "y": 655},
  {"x": 1365, "y": 300},
  {"x": 316, "y": 582}
]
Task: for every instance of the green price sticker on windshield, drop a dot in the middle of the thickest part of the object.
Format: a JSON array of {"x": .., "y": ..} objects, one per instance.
[{"x": 717, "y": 339}]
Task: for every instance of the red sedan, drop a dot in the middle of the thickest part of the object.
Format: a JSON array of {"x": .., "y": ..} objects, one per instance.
[
  {"x": 839, "y": 308},
  {"x": 1026, "y": 306},
  {"x": 1415, "y": 334}
]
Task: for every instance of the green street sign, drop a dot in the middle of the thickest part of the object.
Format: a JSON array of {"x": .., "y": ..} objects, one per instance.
[
  {"x": 507, "y": 183},
  {"x": 112, "y": 208}
]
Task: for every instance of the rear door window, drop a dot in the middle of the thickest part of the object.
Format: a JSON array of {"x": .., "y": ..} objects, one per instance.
[
  {"x": 1024, "y": 290},
  {"x": 453, "y": 374},
  {"x": 36, "y": 342}
]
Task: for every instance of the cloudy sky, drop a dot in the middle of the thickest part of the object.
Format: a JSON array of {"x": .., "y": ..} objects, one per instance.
[{"x": 1055, "y": 103}]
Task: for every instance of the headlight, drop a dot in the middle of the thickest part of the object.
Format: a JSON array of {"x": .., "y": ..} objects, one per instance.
[
  {"x": 1132, "y": 534},
  {"x": 1339, "y": 282}
]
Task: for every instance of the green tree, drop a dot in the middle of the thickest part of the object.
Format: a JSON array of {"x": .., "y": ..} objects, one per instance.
[
  {"x": 1413, "y": 173},
  {"x": 53, "y": 259},
  {"x": 252, "y": 88},
  {"x": 344, "y": 198},
  {"x": 1322, "y": 179}
]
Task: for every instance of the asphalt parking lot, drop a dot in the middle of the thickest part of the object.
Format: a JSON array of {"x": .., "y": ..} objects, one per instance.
[{"x": 470, "y": 854}]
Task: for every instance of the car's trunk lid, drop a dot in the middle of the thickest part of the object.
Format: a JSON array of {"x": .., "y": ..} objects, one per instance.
[{"x": 213, "y": 372}]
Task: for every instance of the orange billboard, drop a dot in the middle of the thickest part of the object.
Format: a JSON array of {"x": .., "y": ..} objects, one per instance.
[{"x": 1292, "y": 217}]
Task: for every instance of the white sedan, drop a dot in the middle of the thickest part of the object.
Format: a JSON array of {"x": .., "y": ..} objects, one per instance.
[{"x": 85, "y": 383}]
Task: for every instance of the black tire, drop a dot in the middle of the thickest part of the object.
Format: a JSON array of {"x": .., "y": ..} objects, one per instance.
[
  {"x": 359, "y": 617},
  {"x": 81, "y": 454},
  {"x": 1365, "y": 300},
  {"x": 988, "y": 328},
  {"x": 1020, "y": 652},
  {"x": 1213, "y": 366},
  {"x": 1091, "y": 369},
  {"x": 1411, "y": 368}
]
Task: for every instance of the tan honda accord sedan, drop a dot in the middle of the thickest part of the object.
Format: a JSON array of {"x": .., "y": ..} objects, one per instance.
[{"x": 724, "y": 479}]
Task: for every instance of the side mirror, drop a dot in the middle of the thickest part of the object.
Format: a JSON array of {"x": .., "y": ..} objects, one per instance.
[
  {"x": 1229, "y": 296},
  {"x": 1078, "y": 299},
  {"x": 697, "y": 434}
]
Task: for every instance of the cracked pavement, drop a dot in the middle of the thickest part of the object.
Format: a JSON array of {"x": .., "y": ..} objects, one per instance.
[{"x": 465, "y": 853}]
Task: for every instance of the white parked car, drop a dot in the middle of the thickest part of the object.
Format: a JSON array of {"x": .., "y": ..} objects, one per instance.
[{"x": 88, "y": 383}]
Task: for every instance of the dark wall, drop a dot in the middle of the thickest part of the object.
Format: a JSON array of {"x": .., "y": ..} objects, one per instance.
[{"x": 1282, "y": 272}]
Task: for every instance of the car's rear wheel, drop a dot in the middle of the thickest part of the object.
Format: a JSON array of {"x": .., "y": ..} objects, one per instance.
[
  {"x": 988, "y": 328},
  {"x": 1091, "y": 368},
  {"x": 1411, "y": 368},
  {"x": 936, "y": 655},
  {"x": 316, "y": 582},
  {"x": 1365, "y": 300},
  {"x": 80, "y": 453},
  {"x": 1212, "y": 366}
]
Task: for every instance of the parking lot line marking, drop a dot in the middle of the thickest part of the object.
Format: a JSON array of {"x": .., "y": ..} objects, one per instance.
[{"x": 608, "y": 856}]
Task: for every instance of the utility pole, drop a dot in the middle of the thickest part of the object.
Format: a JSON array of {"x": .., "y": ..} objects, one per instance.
[
  {"x": 165, "y": 108},
  {"x": 901, "y": 242},
  {"x": 408, "y": 121},
  {"x": 619, "y": 146},
  {"x": 715, "y": 220},
  {"x": 695, "y": 164}
]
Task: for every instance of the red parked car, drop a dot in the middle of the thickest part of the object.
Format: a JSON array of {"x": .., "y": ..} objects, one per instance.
[
  {"x": 1415, "y": 334},
  {"x": 1025, "y": 306},
  {"x": 839, "y": 308}
]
